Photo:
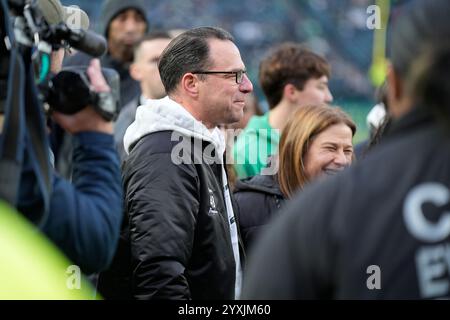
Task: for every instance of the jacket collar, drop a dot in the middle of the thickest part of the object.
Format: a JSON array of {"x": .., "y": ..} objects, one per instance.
[
  {"x": 418, "y": 117},
  {"x": 260, "y": 183}
]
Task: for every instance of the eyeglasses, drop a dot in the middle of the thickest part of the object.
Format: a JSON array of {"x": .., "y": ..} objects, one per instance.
[{"x": 238, "y": 74}]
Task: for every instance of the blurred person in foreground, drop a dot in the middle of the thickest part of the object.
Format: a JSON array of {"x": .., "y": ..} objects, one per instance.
[
  {"x": 381, "y": 229},
  {"x": 84, "y": 215},
  {"x": 144, "y": 69}
]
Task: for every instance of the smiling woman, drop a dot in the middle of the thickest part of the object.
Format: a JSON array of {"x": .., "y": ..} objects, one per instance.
[{"x": 316, "y": 141}]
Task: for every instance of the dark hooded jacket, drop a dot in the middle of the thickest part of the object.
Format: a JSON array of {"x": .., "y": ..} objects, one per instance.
[{"x": 258, "y": 199}]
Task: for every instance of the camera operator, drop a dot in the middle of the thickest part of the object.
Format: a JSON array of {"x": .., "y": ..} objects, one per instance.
[{"x": 84, "y": 215}]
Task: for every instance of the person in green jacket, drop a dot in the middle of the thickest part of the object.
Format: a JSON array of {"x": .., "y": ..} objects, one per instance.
[{"x": 291, "y": 76}]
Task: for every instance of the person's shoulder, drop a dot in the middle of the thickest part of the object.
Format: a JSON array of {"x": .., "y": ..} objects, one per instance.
[
  {"x": 154, "y": 143},
  {"x": 258, "y": 122},
  {"x": 257, "y": 128},
  {"x": 265, "y": 184},
  {"x": 157, "y": 156},
  {"x": 128, "y": 111}
]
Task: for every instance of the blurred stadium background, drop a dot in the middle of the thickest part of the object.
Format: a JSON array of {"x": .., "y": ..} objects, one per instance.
[{"x": 336, "y": 29}]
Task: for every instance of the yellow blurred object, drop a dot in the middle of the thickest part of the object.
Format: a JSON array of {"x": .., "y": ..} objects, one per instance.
[
  {"x": 31, "y": 267},
  {"x": 378, "y": 69}
]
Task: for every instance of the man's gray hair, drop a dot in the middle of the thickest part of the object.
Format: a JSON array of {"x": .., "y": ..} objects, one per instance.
[{"x": 188, "y": 52}]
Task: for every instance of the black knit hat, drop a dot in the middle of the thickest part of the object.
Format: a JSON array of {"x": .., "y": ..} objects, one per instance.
[{"x": 111, "y": 8}]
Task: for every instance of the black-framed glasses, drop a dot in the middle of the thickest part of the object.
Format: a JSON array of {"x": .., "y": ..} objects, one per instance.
[{"x": 238, "y": 74}]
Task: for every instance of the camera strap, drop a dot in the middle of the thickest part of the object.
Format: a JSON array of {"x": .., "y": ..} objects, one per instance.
[
  {"x": 11, "y": 148},
  {"x": 13, "y": 135},
  {"x": 37, "y": 142},
  {"x": 24, "y": 128}
]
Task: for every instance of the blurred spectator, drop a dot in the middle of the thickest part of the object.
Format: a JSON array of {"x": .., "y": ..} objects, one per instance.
[
  {"x": 123, "y": 23},
  {"x": 144, "y": 69},
  {"x": 291, "y": 76},
  {"x": 332, "y": 28}
]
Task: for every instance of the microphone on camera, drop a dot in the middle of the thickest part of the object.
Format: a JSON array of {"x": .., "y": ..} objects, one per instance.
[
  {"x": 77, "y": 23},
  {"x": 54, "y": 13}
]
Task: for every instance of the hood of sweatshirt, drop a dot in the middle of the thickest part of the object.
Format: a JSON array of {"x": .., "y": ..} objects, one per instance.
[
  {"x": 167, "y": 115},
  {"x": 111, "y": 8}
]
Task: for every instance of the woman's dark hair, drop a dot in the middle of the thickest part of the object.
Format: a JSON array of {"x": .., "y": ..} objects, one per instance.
[{"x": 420, "y": 53}]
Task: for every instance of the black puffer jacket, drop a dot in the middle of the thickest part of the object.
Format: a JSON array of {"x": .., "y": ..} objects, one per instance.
[
  {"x": 258, "y": 199},
  {"x": 176, "y": 241}
]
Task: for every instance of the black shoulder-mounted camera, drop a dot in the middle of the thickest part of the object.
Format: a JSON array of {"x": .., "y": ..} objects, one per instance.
[{"x": 69, "y": 91}]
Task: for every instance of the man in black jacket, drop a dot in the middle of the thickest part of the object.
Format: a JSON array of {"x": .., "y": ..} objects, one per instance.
[
  {"x": 181, "y": 234},
  {"x": 381, "y": 230}
]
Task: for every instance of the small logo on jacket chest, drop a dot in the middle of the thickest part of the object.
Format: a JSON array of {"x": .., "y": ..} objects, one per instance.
[{"x": 212, "y": 204}]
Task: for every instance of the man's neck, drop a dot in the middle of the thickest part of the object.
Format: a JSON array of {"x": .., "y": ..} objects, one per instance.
[
  {"x": 280, "y": 115},
  {"x": 142, "y": 99},
  {"x": 192, "y": 110},
  {"x": 148, "y": 95}
]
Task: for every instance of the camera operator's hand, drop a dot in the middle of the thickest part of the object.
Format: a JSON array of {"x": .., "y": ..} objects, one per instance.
[
  {"x": 87, "y": 119},
  {"x": 57, "y": 60}
]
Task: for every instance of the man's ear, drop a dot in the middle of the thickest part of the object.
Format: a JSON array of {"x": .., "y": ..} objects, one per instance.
[
  {"x": 290, "y": 93},
  {"x": 190, "y": 84},
  {"x": 135, "y": 73}
]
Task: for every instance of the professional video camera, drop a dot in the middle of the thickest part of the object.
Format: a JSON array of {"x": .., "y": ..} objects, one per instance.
[
  {"x": 30, "y": 30},
  {"x": 42, "y": 25}
]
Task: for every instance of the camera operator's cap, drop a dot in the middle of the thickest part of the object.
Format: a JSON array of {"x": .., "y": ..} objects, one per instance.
[
  {"x": 55, "y": 13},
  {"x": 112, "y": 8}
]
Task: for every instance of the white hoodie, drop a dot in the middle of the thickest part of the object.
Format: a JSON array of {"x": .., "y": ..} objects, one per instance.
[{"x": 164, "y": 115}]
